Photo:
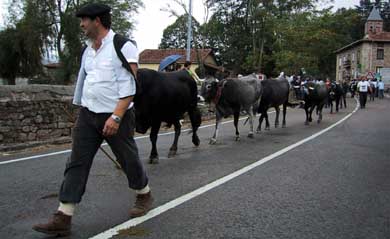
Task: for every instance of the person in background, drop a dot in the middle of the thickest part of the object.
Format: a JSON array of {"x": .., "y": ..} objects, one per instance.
[
  {"x": 363, "y": 87},
  {"x": 381, "y": 89},
  {"x": 187, "y": 67}
]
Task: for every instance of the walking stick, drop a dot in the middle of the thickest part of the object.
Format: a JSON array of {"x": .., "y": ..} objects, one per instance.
[
  {"x": 71, "y": 119},
  {"x": 117, "y": 165}
]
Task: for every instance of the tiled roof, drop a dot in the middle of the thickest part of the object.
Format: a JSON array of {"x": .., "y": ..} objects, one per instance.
[{"x": 154, "y": 56}]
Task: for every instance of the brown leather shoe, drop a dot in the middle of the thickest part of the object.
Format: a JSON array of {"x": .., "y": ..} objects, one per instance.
[
  {"x": 142, "y": 205},
  {"x": 59, "y": 225}
]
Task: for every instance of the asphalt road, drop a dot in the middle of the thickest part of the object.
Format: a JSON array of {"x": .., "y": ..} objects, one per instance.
[{"x": 334, "y": 186}]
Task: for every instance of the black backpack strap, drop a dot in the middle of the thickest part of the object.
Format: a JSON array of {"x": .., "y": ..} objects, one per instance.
[
  {"x": 82, "y": 53},
  {"x": 119, "y": 41}
]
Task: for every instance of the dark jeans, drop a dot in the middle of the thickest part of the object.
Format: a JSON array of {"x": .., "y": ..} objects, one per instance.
[
  {"x": 372, "y": 94},
  {"x": 87, "y": 137},
  {"x": 381, "y": 95},
  {"x": 363, "y": 99}
]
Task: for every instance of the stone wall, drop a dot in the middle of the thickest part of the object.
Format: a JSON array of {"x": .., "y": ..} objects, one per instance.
[{"x": 34, "y": 115}]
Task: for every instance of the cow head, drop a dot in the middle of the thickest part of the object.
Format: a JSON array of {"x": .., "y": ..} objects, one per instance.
[
  {"x": 307, "y": 89},
  {"x": 142, "y": 122},
  {"x": 209, "y": 89},
  {"x": 332, "y": 91}
]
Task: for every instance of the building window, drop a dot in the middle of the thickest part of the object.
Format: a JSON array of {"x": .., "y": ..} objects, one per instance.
[
  {"x": 381, "y": 45},
  {"x": 378, "y": 69},
  {"x": 380, "y": 54}
]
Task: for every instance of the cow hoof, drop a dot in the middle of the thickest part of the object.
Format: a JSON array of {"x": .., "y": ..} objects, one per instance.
[
  {"x": 267, "y": 128},
  {"x": 318, "y": 121},
  {"x": 284, "y": 126},
  {"x": 306, "y": 122},
  {"x": 196, "y": 141},
  {"x": 276, "y": 126},
  {"x": 154, "y": 160},
  {"x": 213, "y": 141},
  {"x": 172, "y": 153},
  {"x": 237, "y": 138},
  {"x": 258, "y": 131},
  {"x": 250, "y": 135}
]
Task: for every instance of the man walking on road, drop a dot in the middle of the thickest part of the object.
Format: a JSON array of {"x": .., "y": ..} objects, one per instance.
[
  {"x": 381, "y": 88},
  {"x": 105, "y": 91},
  {"x": 363, "y": 87}
]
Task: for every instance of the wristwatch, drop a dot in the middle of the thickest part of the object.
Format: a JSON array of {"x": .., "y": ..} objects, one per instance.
[{"x": 116, "y": 118}]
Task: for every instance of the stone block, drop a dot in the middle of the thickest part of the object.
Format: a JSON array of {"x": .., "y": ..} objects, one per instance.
[
  {"x": 38, "y": 119},
  {"x": 4, "y": 129},
  {"x": 26, "y": 121},
  {"x": 62, "y": 125},
  {"x": 26, "y": 129},
  {"x": 43, "y": 133},
  {"x": 32, "y": 136},
  {"x": 23, "y": 137}
]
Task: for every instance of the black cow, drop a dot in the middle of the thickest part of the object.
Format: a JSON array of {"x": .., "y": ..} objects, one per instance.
[
  {"x": 275, "y": 93},
  {"x": 230, "y": 97},
  {"x": 335, "y": 93},
  {"x": 165, "y": 97},
  {"x": 315, "y": 95}
]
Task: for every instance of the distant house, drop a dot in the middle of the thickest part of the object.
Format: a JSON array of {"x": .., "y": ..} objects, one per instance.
[
  {"x": 151, "y": 58},
  {"x": 369, "y": 56}
]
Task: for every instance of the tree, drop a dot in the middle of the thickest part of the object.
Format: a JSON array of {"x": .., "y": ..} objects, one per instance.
[
  {"x": 175, "y": 35},
  {"x": 58, "y": 28},
  {"x": 9, "y": 57},
  {"x": 26, "y": 41}
]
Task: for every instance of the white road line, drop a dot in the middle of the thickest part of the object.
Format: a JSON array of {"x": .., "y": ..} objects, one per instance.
[
  {"x": 180, "y": 200},
  {"x": 136, "y": 138}
]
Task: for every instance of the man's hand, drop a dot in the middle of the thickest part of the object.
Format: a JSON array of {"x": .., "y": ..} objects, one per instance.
[{"x": 110, "y": 127}]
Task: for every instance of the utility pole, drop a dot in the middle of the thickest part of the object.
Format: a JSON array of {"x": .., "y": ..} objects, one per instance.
[{"x": 189, "y": 32}]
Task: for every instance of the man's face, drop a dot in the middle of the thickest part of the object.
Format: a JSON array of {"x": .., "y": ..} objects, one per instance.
[{"x": 89, "y": 27}]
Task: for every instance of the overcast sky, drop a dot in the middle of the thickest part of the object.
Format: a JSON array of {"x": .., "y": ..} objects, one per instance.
[{"x": 151, "y": 21}]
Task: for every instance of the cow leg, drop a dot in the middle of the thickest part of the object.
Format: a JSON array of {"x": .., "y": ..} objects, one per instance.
[
  {"x": 173, "y": 149},
  {"x": 277, "y": 109},
  {"x": 345, "y": 101},
  {"x": 250, "y": 112},
  {"x": 320, "y": 113},
  {"x": 218, "y": 119},
  {"x": 258, "y": 130},
  {"x": 267, "y": 127},
  {"x": 310, "y": 113},
  {"x": 236, "y": 117},
  {"x": 196, "y": 120},
  {"x": 153, "y": 158},
  {"x": 307, "y": 115},
  {"x": 284, "y": 115},
  {"x": 331, "y": 107}
]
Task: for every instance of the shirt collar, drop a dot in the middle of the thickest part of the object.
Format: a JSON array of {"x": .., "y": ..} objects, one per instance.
[{"x": 109, "y": 37}]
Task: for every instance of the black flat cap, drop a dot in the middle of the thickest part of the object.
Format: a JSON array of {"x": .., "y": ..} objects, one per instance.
[{"x": 93, "y": 10}]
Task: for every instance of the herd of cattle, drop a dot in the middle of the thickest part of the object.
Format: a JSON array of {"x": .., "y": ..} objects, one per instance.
[{"x": 167, "y": 96}]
